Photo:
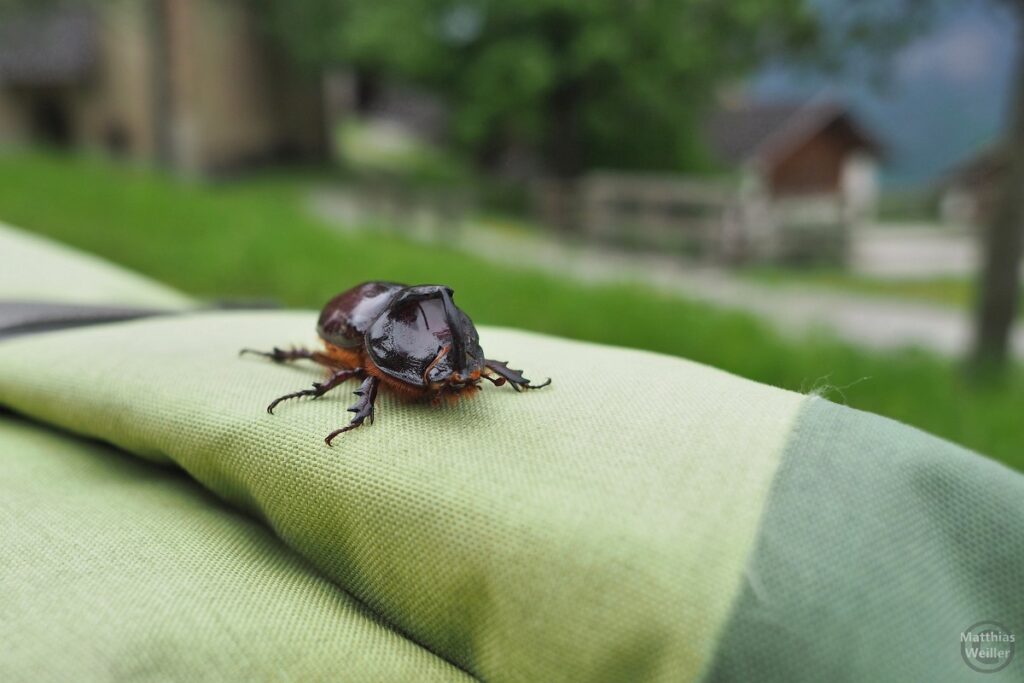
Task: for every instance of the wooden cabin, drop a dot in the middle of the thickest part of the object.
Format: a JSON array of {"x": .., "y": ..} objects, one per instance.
[
  {"x": 788, "y": 150},
  {"x": 194, "y": 85}
]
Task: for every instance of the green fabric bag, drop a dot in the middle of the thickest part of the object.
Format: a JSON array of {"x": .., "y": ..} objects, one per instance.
[{"x": 644, "y": 518}]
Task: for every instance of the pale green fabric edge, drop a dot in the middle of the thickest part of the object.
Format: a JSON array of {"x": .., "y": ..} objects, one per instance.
[
  {"x": 38, "y": 269},
  {"x": 113, "y": 569},
  {"x": 615, "y": 546}
]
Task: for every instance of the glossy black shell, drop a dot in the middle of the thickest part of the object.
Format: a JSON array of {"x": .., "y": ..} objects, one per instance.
[
  {"x": 405, "y": 331},
  {"x": 345, "y": 319}
]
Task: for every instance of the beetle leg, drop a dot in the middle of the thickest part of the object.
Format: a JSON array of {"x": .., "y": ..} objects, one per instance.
[
  {"x": 363, "y": 408},
  {"x": 441, "y": 353},
  {"x": 514, "y": 377},
  {"x": 282, "y": 356},
  {"x": 319, "y": 389}
]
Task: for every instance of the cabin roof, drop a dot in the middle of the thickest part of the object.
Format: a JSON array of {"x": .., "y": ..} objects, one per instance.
[
  {"x": 765, "y": 132},
  {"x": 50, "y": 47}
]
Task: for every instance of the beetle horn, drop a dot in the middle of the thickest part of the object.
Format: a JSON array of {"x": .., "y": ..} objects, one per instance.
[{"x": 455, "y": 328}]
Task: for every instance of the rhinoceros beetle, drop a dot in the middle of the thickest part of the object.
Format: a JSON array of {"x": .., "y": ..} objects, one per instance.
[{"x": 413, "y": 341}]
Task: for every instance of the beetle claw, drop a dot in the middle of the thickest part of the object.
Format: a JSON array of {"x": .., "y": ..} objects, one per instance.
[
  {"x": 363, "y": 408},
  {"x": 514, "y": 377}
]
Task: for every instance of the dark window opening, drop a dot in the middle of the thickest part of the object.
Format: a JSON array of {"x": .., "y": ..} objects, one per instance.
[{"x": 51, "y": 124}]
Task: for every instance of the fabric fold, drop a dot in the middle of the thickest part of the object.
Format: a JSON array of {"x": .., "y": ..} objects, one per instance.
[
  {"x": 595, "y": 530},
  {"x": 113, "y": 569}
]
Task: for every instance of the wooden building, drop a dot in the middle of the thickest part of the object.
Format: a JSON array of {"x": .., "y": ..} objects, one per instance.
[
  {"x": 194, "y": 85},
  {"x": 799, "y": 150}
]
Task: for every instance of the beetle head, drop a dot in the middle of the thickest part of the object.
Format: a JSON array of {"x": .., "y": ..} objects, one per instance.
[{"x": 425, "y": 340}]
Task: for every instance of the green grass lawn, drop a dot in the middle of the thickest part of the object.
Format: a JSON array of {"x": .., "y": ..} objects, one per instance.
[{"x": 253, "y": 239}]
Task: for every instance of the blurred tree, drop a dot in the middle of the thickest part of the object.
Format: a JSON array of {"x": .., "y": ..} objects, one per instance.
[
  {"x": 1004, "y": 242},
  {"x": 616, "y": 83}
]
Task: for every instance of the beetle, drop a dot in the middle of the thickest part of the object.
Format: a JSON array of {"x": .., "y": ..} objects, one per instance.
[{"x": 413, "y": 341}]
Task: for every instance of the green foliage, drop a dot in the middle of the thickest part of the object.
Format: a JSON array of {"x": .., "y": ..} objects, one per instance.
[
  {"x": 621, "y": 82},
  {"x": 254, "y": 240}
]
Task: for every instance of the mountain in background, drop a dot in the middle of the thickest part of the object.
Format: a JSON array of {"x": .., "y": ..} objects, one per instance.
[{"x": 945, "y": 94}]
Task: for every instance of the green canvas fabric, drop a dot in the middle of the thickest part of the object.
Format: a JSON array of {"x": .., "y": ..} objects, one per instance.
[
  {"x": 33, "y": 268},
  {"x": 880, "y": 545},
  {"x": 113, "y": 569},
  {"x": 594, "y": 530}
]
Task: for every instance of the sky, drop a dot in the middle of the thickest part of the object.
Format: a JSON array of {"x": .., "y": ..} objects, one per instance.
[{"x": 945, "y": 96}]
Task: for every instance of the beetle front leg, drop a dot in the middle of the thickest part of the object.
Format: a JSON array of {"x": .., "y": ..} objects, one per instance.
[
  {"x": 363, "y": 408},
  {"x": 319, "y": 389},
  {"x": 514, "y": 377},
  {"x": 293, "y": 354}
]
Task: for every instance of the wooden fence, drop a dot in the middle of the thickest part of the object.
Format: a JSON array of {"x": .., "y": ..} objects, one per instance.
[{"x": 713, "y": 220}]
